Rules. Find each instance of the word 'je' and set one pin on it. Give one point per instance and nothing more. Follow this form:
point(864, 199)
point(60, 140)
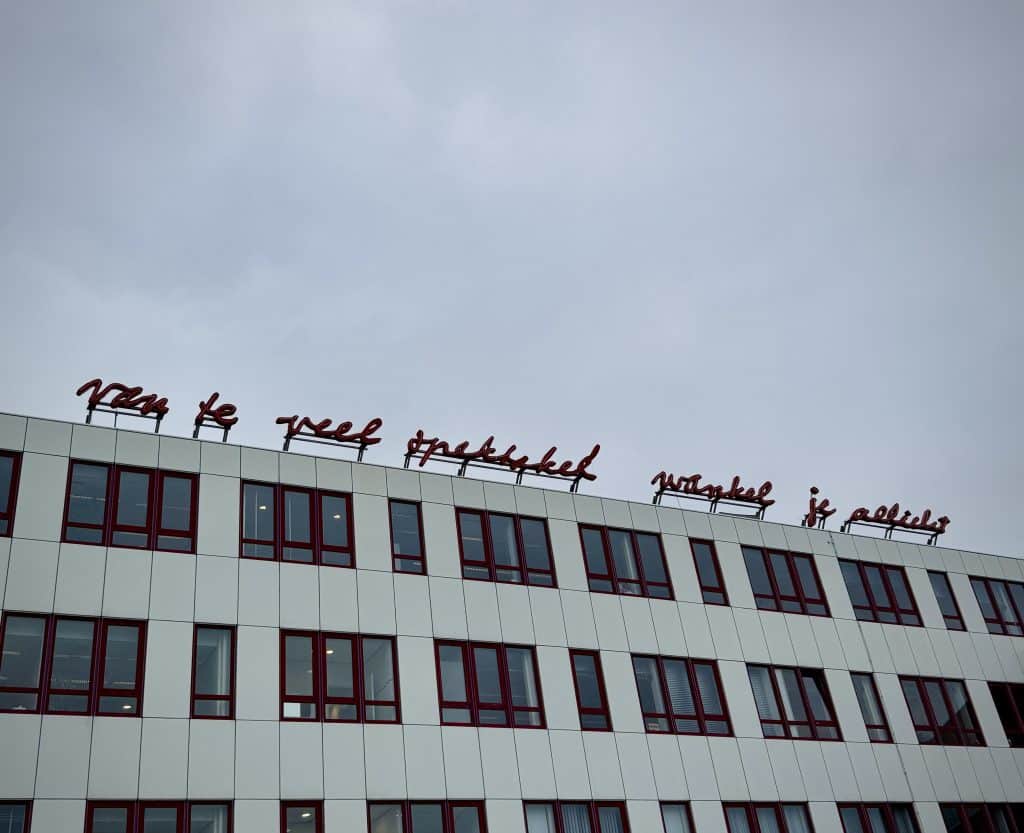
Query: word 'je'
point(428, 447)
point(123, 397)
point(817, 510)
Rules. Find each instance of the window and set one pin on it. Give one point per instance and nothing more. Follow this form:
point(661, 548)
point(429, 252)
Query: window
point(70, 665)
point(158, 817)
point(289, 523)
point(767, 818)
point(785, 581)
point(484, 684)
point(1009, 700)
point(709, 574)
point(498, 547)
point(213, 672)
point(15, 816)
point(793, 703)
point(588, 681)
point(339, 677)
point(1002, 604)
point(625, 562)
point(878, 818)
point(124, 506)
point(676, 818)
point(880, 593)
point(683, 696)
point(947, 601)
point(427, 817)
point(983, 818)
point(871, 708)
point(302, 817)
point(941, 712)
point(407, 537)
point(10, 467)
point(576, 817)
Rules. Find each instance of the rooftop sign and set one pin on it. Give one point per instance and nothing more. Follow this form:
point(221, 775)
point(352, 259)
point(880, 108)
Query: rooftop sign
point(891, 518)
point(305, 430)
point(118, 398)
point(689, 486)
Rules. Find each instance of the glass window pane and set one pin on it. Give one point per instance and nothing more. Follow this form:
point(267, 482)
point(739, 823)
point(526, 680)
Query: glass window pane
point(132, 498)
point(649, 685)
point(814, 689)
point(675, 818)
point(679, 692)
point(72, 663)
point(22, 652)
point(176, 503)
point(503, 540)
point(296, 517)
point(780, 569)
point(467, 820)
point(593, 547)
point(12, 816)
point(576, 818)
point(808, 579)
point(984, 602)
point(870, 708)
point(851, 820)
point(301, 819)
point(122, 655)
point(298, 669)
point(650, 557)
point(453, 674)
point(535, 544)
point(756, 570)
point(488, 680)
point(961, 705)
point(622, 555)
point(386, 818)
point(6, 474)
point(540, 818)
point(610, 819)
point(918, 713)
point(1002, 597)
point(764, 695)
point(943, 594)
point(796, 818)
point(585, 670)
point(427, 818)
point(405, 529)
point(110, 820)
point(767, 820)
point(472, 534)
point(258, 512)
point(521, 677)
point(88, 501)
point(737, 820)
point(789, 689)
point(900, 589)
point(705, 561)
point(334, 515)
point(378, 670)
point(340, 678)
point(904, 818)
point(159, 820)
point(213, 661)
point(209, 818)
point(707, 683)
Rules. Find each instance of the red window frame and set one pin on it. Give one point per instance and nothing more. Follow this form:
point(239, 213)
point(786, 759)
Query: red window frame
point(420, 561)
point(135, 812)
point(473, 703)
point(593, 808)
point(615, 582)
point(710, 591)
point(955, 620)
point(882, 732)
point(27, 805)
point(600, 711)
point(951, 733)
point(152, 530)
point(318, 549)
point(1009, 702)
point(669, 717)
point(7, 510)
point(448, 808)
point(318, 813)
point(229, 698)
point(993, 611)
point(798, 602)
point(750, 809)
point(887, 610)
point(980, 818)
point(818, 729)
point(490, 562)
point(95, 693)
point(886, 811)
point(682, 805)
point(319, 697)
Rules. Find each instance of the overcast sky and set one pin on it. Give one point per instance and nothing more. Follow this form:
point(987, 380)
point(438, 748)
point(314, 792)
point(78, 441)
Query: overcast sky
point(777, 239)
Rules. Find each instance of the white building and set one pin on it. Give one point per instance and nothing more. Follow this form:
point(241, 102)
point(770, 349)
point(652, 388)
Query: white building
point(202, 637)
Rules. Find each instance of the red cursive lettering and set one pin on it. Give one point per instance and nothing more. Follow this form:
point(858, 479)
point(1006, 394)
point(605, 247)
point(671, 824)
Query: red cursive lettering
point(224, 415)
point(890, 516)
point(127, 398)
point(690, 486)
point(817, 511)
point(428, 447)
point(322, 430)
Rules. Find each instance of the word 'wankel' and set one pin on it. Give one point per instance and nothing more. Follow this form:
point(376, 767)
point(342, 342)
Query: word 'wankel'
point(690, 486)
point(124, 397)
point(427, 447)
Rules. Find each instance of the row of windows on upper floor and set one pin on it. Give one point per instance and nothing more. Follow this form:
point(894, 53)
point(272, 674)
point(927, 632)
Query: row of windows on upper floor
point(72, 665)
point(453, 816)
point(151, 509)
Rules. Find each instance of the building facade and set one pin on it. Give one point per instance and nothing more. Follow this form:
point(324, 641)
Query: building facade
point(201, 638)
